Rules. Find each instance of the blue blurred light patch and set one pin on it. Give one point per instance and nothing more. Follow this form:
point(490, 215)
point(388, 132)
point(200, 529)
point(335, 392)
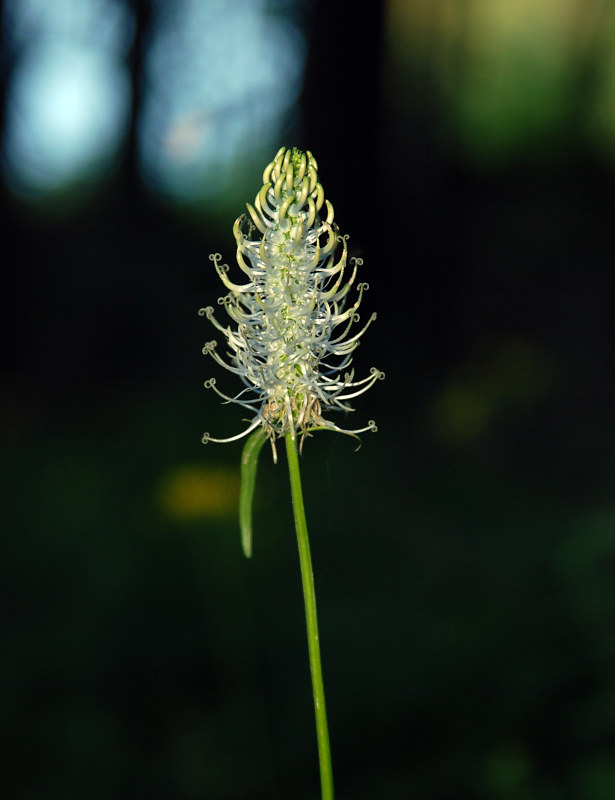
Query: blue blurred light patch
point(66, 118)
point(106, 24)
point(68, 98)
point(222, 77)
point(220, 82)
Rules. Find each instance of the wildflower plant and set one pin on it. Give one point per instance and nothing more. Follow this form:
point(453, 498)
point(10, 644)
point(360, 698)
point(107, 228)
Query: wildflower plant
point(291, 338)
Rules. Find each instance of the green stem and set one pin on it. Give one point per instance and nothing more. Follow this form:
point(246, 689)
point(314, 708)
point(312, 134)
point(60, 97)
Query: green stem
point(309, 595)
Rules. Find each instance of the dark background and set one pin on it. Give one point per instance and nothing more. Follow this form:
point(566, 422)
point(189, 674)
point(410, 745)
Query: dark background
point(464, 556)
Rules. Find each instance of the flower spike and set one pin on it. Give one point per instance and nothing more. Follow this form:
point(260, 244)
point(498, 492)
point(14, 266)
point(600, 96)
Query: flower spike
point(287, 347)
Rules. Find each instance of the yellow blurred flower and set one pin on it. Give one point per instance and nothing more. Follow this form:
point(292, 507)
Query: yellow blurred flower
point(189, 492)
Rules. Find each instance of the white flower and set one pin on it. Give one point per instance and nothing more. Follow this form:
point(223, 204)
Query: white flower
point(293, 341)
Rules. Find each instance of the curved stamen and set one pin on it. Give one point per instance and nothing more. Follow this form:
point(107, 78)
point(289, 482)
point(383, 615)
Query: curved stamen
point(255, 423)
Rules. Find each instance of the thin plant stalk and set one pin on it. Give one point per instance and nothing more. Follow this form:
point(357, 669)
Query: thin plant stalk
point(291, 339)
point(309, 595)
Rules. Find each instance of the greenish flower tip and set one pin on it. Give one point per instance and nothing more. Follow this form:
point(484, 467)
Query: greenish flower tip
point(293, 331)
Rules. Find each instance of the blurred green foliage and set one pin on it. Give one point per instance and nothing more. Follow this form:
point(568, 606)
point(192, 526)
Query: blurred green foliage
point(467, 616)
